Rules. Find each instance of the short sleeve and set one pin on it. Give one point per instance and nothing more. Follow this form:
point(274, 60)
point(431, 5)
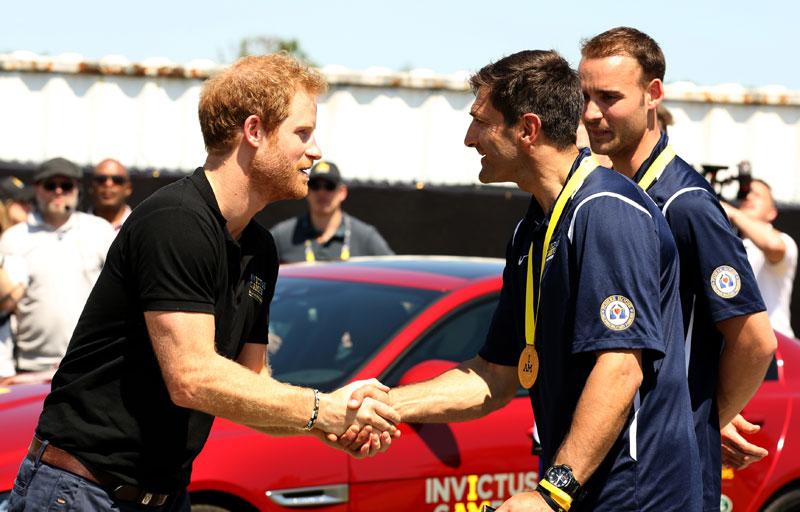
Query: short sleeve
point(713, 255)
point(175, 257)
point(377, 245)
point(617, 254)
point(500, 346)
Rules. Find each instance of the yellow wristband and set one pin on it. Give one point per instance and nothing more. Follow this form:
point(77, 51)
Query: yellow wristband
point(563, 499)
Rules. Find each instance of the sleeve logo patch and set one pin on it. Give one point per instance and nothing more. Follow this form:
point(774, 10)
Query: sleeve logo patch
point(256, 288)
point(725, 282)
point(617, 312)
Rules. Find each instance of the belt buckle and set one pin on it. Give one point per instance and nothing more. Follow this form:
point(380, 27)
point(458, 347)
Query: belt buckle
point(146, 498)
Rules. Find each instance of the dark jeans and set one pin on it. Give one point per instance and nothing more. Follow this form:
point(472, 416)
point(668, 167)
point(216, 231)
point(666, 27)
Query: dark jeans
point(39, 487)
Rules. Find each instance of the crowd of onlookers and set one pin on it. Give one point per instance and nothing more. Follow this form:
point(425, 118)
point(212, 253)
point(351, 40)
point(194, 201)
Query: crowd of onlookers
point(51, 253)
point(50, 256)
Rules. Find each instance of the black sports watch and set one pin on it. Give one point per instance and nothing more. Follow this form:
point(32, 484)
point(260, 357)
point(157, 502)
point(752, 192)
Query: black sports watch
point(561, 476)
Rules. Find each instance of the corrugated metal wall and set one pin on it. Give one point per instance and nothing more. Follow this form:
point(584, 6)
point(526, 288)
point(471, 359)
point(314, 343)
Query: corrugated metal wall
point(379, 126)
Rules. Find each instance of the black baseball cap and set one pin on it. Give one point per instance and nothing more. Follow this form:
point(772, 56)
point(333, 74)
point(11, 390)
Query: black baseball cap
point(327, 171)
point(57, 167)
point(14, 189)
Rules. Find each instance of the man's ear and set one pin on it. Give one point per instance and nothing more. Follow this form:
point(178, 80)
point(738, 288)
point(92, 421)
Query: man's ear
point(654, 93)
point(252, 131)
point(531, 127)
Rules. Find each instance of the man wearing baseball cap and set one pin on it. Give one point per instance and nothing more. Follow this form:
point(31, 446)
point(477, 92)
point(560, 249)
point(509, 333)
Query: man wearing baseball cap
point(325, 232)
point(52, 261)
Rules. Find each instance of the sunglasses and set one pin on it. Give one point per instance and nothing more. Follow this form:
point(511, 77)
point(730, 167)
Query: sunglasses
point(102, 179)
point(65, 186)
point(322, 184)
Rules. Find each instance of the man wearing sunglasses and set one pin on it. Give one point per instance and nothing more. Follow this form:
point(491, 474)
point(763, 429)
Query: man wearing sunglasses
point(52, 261)
point(111, 188)
point(325, 232)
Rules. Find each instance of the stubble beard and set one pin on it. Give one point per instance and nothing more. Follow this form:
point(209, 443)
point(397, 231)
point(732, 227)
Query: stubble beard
point(56, 213)
point(273, 177)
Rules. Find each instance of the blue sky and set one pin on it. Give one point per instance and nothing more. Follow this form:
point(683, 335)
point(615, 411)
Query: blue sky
point(706, 42)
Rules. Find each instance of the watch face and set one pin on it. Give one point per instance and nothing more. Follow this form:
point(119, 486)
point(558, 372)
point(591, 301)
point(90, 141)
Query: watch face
point(559, 476)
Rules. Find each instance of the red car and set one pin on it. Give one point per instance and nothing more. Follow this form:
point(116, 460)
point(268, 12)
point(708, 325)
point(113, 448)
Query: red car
point(402, 320)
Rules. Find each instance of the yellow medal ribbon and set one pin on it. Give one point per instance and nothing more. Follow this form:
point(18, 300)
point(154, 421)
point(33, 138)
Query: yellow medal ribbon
point(659, 164)
point(529, 359)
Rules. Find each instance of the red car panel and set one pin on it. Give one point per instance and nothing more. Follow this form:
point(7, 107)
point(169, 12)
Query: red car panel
point(435, 468)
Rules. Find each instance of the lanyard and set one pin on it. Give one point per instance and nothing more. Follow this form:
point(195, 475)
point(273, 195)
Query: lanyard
point(344, 255)
point(657, 168)
point(588, 165)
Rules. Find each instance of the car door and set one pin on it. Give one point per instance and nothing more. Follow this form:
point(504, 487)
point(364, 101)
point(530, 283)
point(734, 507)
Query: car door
point(449, 467)
point(768, 409)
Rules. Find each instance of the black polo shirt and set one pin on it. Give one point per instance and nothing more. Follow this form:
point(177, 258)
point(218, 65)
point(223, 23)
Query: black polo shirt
point(109, 405)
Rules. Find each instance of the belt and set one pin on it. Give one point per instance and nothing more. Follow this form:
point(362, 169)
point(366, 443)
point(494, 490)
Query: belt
point(58, 458)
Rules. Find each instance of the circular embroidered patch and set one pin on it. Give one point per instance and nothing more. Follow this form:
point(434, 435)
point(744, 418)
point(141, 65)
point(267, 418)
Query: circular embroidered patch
point(617, 312)
point(725, 282)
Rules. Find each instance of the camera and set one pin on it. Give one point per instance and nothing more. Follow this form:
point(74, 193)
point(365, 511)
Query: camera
point(729, 185)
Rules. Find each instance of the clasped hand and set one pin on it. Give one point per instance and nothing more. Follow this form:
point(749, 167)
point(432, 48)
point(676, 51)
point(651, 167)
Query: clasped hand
point(358, 419)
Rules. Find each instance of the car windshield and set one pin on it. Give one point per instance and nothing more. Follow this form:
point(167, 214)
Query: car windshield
point(322, 331)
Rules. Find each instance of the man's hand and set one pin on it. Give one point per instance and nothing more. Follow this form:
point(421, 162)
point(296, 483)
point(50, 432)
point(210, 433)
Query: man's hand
point(737, 451)
point(360, 443)
point(525, 502)
point(336, 414)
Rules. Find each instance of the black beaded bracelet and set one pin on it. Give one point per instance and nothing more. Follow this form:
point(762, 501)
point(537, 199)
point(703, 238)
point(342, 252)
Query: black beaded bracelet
point(315, 412)
point(549, 499)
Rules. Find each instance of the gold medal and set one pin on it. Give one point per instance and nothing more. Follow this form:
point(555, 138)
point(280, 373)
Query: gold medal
point(528, 367)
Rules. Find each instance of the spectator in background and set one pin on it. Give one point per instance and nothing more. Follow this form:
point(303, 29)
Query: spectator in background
point(59, 253)
point(326, 232)
point(772, 254)
point(111, 188)
point(14, 207)
point(15, 202)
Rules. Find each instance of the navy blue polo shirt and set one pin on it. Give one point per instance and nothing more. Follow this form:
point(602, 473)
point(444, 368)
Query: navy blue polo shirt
point(716, 283)
point(612, 283)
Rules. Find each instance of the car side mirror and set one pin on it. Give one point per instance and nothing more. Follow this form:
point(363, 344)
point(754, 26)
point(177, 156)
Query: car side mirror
point(426, 370)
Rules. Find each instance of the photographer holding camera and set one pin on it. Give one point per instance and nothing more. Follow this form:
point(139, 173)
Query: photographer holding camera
point(772, 253)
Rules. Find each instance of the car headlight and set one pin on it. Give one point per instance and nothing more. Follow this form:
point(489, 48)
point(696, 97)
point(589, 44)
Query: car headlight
point(4, 500)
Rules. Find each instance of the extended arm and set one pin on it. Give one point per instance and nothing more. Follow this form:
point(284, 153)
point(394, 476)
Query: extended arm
point(199, 378)
point(472, 390)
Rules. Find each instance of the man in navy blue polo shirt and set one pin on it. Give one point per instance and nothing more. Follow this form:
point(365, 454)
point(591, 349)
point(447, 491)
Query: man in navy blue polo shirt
point(611, 399)
point(729, 340)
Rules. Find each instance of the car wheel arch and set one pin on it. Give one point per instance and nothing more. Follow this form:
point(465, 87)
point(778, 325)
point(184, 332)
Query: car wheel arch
point(785, 499)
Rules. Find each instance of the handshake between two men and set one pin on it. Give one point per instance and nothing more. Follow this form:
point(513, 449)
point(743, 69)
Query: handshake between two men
point(356, 418)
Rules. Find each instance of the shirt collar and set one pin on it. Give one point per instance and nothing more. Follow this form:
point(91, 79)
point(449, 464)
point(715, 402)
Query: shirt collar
point(311, 232)
point(662, 143)
point(35, 219)
point(535, 212)
point(200, 181)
